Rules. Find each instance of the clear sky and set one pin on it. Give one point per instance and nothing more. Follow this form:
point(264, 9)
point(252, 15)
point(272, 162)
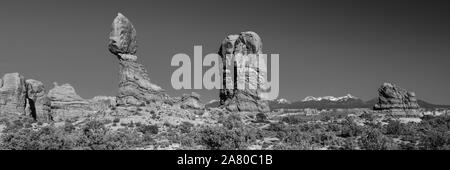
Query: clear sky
point(325, 47)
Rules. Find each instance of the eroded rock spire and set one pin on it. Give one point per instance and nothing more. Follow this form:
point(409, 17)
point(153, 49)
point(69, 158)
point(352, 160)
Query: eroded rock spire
point(135, 87)
point(240, 58)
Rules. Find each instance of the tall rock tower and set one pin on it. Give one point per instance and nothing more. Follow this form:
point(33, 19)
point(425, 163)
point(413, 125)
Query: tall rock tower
point(135, 87)
point(243, 76)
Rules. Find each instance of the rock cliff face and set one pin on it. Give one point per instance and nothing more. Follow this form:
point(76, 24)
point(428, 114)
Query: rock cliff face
point(64, 93)
point(20, 97)
point(135, 87)
point(37, 103)
point(13, 94)
point(394, 97)
point(66, 104)
point(243, 78)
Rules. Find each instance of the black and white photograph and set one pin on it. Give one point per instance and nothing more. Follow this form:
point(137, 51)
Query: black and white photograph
point(229, 75)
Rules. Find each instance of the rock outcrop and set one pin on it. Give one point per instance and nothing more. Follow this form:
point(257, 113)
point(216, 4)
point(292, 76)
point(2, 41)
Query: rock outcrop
point(64, 93)
point(243, 78)
point(37, 103)
point(13, 94)
point(20, 97)
point(191, 102)
point(66, 104)
point(393, 97)
point(135, 87)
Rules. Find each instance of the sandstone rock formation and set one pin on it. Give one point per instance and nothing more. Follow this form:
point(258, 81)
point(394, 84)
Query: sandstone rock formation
point(64, 93)
point(66, 104)
point(393, 97)
point(243, 79)
point(191, 102)
point(13, 94)
point(105, 100)
point(37, 103)
point(20, 97)
point(135, 87)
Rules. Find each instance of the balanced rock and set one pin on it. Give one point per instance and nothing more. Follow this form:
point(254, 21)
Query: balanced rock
point(122, 39)
point(243, 76)
point(393, 97)
point(135, 87)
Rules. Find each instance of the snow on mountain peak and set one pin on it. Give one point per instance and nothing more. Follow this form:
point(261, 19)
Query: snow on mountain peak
point(283, 101)
point(330, 98)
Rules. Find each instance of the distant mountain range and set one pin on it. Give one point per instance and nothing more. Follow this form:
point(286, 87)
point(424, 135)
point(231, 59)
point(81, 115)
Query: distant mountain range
point(330, 102)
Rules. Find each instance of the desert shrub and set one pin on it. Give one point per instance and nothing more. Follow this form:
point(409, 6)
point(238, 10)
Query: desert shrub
point(350, 129)
point(106, 121)
point(47, 138)
point(395, 128)
point(303, 145)
point(13, 126)
point(26, 121)
point(131, 124)
point(148, 129)
point(68, 127)
point(373, 139)
point(278, 129)
point(123, 139)
point(296, 136)
point(116, 120)
point(327, 139)
point(185, 127)
point(334, 127)
point(218, 138)
point(93, 135)
point(297, 119)
point(4, 121)
point(435, 140)
point(437, 123)
point(231, 121)
point(326, 118)
point(312, 127)
point(184, 139)
point(138, 124)
point(367, 116)
point(335, 114)
point(350, 144)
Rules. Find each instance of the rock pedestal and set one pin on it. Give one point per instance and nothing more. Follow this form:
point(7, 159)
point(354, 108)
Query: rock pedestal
point(243, 76)
point(393, 97)
point(135, 87)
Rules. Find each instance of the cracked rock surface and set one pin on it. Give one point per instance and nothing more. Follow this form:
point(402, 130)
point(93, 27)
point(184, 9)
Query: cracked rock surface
point(243, 77)
point(135, 87)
